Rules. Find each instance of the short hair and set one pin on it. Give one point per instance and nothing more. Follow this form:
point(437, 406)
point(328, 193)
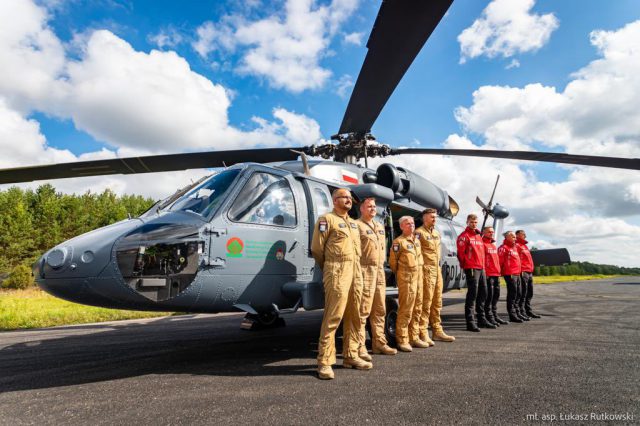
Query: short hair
point(487, 227)
point(403, 219)
point(334, 194)
point(368, 198)
point(519, 231)
point(504, 234)
point(472, 216)
point(428, 211)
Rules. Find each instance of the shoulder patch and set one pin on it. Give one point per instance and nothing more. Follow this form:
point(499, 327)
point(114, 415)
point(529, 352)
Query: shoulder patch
point(396, 247)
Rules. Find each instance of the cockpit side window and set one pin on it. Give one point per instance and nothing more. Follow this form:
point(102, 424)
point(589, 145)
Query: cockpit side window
point(321, 201)
point(266, 199)
point(204, 198)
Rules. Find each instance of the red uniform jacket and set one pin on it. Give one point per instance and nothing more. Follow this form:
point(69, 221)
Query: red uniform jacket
point(509, 259)
point(470, 249)
point(491, 260)
point(525, 255)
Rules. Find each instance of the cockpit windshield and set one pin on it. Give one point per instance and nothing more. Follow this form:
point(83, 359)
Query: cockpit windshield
point(204, 198)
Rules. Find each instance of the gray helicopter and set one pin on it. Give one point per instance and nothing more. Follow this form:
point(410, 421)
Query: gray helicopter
point(239, 240)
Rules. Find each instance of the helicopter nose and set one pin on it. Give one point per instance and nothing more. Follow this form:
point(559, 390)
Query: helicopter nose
point(69, 269)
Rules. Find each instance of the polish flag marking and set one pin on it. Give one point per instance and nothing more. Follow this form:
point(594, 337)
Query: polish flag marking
point(349, 177)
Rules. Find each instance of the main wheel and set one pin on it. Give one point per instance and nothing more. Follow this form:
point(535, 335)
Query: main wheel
point(262, 321)
point(390, 320)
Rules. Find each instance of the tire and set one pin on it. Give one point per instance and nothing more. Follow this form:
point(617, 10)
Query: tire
point(390, 320)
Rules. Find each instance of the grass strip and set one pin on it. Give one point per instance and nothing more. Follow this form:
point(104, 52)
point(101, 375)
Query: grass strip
point(33, 308)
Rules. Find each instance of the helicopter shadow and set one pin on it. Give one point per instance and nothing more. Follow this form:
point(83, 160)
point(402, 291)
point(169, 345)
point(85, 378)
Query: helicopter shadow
point(211, 346)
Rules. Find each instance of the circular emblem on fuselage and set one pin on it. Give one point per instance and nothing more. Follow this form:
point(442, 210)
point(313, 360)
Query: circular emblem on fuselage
point(234, 247)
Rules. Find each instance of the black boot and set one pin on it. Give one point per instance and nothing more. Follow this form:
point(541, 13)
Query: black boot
point(483, 323)
point(531, 314)
point(471, 326)
point(491, 319)
point(513, 317)
point(500, 320)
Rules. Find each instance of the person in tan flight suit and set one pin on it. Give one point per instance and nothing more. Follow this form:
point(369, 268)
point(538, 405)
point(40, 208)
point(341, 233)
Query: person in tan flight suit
point(405, 261)
point(373, 243)
point(336, 248)
point(431, 279)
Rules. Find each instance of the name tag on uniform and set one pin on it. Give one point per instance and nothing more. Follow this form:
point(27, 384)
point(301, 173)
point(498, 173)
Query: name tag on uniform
point(396, 247)
point(381, 232)
point(354, 226)
point(322, 226)
point(342, 225)
point(369, 231)
point(410, 246)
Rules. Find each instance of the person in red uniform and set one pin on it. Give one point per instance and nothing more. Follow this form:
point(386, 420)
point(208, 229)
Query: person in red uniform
point(510, 269)
point(492, 272)
point(526, 274)
point(471, 257)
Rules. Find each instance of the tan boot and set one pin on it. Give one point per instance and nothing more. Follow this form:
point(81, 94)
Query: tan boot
point(404, 347)
point(443, 337)
point(325, 372)
point(356, 363)
point(419, 344)
point(385, 350)
point(364, 355)
point(428, 341)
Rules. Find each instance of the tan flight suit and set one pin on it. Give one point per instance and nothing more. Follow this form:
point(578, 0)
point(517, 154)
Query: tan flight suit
point(405, 260)
point(336, 249)
point(373, 242)
point(431, 280)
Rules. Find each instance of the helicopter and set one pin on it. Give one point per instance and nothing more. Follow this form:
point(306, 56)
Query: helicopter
point(239, 240)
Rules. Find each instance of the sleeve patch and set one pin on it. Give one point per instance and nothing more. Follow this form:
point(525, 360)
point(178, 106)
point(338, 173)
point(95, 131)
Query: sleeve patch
point(396, 247)
point(322, 225)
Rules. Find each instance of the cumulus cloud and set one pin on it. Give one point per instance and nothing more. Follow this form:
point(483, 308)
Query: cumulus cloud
point(354, 38)
point(596, 113)
point(137, 102)
point(506, 27)
point(285, 50)
point(168, 38)
point(344, 85)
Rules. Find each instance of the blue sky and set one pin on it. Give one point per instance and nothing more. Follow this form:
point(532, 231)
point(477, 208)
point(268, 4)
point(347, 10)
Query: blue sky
point(106, 78)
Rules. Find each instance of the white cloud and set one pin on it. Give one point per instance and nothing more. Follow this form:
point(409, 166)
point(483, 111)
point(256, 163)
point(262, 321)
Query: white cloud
point(344, 85)
point(168, 38)
point(597, 112)
point(285, 50)
point(354, 38)
point(506, 27)
point(136, 102)
point(513, 64)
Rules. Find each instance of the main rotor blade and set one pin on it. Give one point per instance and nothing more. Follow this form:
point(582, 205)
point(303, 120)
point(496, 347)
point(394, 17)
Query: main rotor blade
point(494, 191)
point(551, 257)
point(147, 164)
point(399, 32)
point(549, 157)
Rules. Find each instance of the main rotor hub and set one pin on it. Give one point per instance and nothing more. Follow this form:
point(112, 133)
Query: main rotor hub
point(350, 148)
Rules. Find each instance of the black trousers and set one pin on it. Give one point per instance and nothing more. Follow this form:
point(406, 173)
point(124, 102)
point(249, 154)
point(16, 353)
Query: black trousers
point(513, 290)
point(493, 294)
point(527, 288)
point(476, 294)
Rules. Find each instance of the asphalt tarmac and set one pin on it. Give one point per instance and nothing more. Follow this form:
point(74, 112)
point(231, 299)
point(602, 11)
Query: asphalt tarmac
point(581, 359)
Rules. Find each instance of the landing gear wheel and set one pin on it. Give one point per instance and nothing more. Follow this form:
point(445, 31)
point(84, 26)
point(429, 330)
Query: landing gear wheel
point(390, 320)
point(261, 321)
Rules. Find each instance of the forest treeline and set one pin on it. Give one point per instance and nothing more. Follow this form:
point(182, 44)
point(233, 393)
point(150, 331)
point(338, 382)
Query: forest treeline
point(32, 222)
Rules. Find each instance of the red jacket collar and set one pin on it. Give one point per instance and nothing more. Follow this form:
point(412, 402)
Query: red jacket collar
point(508, 244)
point(472, 231)
point(488, 240)
point(522, 241)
